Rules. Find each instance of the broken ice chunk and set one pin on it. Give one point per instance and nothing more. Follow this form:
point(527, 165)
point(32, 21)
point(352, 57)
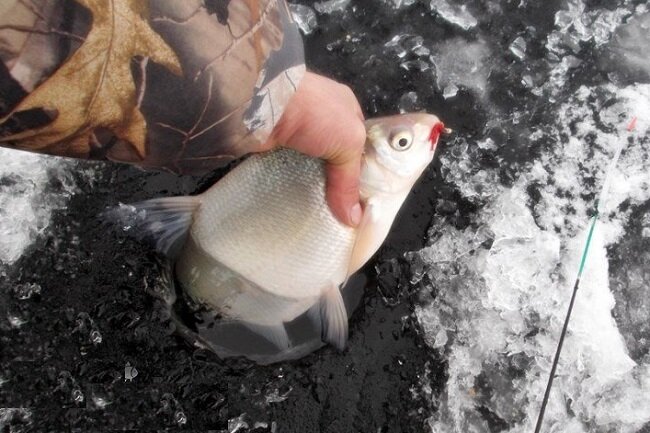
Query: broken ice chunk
point(415, 65)
point(395, 44)
point(26, 291)
point(408, 102)
point(15, 321)
point(450, 91)
point(421, 51)
point(329, 6)
point(305, 17)
point(402, 45)
point(399, 4)
point(413, 43)
point(518, 48)
point(571, 62)
point(440, 339)
point(487, 144)
point(453, 14)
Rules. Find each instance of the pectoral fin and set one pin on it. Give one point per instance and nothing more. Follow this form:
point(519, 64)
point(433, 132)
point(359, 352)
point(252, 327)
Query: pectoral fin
point(367, 240)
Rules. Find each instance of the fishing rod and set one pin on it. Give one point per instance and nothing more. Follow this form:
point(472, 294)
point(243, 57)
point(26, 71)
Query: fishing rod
point(598, 210)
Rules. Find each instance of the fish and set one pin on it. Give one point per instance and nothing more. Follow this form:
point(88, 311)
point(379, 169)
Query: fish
point(262, 247)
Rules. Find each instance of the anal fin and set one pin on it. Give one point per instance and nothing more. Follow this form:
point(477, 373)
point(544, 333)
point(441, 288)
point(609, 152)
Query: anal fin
point(334, 318)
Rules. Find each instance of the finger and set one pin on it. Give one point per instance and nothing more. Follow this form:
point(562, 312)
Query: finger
point(343, 191)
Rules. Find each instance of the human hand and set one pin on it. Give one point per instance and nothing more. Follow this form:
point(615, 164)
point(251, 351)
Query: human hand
point(323, 119)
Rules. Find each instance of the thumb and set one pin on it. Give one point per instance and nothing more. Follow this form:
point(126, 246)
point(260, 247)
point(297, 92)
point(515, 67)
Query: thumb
point(343, 190)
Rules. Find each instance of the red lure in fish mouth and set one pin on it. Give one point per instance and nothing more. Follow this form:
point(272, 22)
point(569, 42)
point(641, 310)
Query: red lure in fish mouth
point(437, 129)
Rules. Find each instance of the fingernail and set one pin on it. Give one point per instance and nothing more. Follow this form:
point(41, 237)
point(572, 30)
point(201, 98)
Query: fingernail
point(355, 214)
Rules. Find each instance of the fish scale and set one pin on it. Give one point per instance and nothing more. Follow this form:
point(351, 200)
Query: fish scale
point(291, 244)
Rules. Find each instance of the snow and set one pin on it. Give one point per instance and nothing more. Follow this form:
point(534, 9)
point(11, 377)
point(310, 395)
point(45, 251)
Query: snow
point(27, 198)
point(505, 281)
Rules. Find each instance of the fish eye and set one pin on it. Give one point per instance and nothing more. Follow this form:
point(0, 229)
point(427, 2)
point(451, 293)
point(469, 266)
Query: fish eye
point(401, 140)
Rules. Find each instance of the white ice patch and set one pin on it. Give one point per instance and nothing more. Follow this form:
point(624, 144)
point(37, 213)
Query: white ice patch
point(27, 198)
point(462, 63)
point(505, 281)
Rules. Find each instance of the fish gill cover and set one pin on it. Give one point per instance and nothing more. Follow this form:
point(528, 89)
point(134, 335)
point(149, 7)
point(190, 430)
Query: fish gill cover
point(457, 334)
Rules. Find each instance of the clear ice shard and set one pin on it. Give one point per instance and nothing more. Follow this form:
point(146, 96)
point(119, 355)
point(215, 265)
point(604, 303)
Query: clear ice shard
point(399, 4)
point(518, 48)
point(450, 91)
point(408, 102)
point(329, 6)
point(305, 17)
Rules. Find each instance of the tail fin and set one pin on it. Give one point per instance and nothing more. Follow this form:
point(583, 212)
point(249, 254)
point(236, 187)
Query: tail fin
point(163, 221)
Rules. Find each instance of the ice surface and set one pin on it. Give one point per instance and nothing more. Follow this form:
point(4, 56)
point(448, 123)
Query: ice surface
point(453, 13)
point(305, 17)
point(504, 281)
point(27, 198)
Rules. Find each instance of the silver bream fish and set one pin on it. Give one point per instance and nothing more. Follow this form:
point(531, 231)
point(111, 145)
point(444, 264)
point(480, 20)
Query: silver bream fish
point(262, 247)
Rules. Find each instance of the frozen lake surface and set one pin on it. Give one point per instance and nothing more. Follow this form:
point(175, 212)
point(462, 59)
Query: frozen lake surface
point(464, 304)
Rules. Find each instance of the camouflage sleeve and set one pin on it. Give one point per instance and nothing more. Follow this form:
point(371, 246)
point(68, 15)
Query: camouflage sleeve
point(182, 85)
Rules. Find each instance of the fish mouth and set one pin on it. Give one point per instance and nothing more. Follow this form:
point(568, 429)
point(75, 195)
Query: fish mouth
point(438, 128)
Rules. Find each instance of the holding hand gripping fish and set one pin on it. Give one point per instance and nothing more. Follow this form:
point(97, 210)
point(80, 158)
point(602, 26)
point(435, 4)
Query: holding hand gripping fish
point(262, 246)
point(280, 234)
